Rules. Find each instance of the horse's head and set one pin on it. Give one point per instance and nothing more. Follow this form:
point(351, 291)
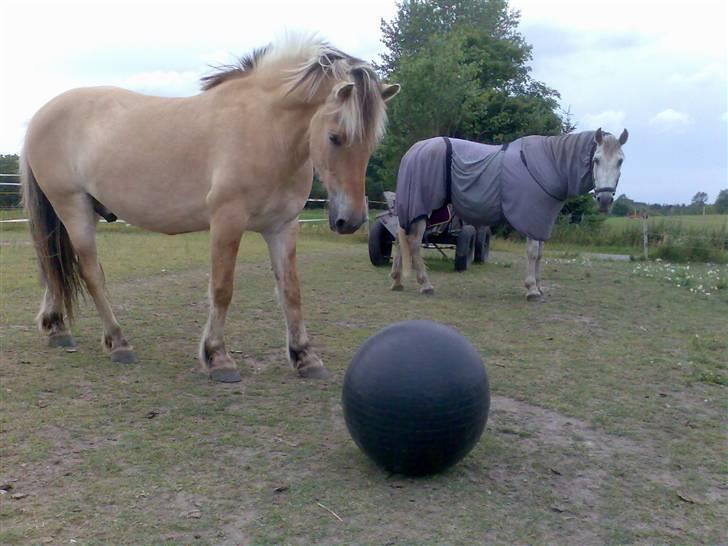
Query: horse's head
point(343, 134)
point(606, 166)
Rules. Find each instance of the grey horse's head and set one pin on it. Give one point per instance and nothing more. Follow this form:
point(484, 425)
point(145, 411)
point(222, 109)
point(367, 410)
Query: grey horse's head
point(606, 166)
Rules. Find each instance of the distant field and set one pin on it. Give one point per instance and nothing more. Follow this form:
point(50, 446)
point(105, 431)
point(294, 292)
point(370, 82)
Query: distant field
point(709, 221)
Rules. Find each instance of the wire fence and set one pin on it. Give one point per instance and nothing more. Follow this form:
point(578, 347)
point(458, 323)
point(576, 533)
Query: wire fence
point(704, 242)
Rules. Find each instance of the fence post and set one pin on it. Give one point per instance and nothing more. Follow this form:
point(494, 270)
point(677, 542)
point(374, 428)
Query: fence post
point(645, 238)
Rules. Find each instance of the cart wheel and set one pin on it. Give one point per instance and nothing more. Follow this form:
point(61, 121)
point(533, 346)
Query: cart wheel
point(380, 244)
point(465, 248)
point(482, 245)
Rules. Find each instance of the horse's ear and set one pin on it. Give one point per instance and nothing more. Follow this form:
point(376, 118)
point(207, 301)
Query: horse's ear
point(389, 91)
point(623, 137)
point(598, 135)
point(344, 90)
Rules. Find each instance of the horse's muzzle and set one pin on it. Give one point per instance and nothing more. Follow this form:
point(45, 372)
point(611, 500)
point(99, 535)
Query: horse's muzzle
point(344, 225)
point(604, 199)
point(342, 220)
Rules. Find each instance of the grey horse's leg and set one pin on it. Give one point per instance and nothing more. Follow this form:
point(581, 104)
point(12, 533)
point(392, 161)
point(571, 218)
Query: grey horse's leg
point(396, 273)
point(414, 242)
point(532, 255)
point(538, 267)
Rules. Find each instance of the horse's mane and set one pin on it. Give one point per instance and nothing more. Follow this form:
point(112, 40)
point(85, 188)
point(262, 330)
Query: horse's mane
point(306, 62)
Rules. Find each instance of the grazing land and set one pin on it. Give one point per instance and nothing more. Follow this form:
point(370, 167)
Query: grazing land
point(607, 421)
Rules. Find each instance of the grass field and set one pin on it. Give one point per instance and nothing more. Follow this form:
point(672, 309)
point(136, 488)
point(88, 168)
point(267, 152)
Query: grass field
point(607, 423)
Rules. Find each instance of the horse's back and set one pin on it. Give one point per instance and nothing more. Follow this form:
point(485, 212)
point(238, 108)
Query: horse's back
point(142, 157)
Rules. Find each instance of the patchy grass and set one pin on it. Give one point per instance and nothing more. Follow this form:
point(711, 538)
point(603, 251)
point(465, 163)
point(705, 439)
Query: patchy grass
point(604, 399)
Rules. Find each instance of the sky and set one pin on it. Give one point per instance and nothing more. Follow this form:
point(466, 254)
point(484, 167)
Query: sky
point(657, 67)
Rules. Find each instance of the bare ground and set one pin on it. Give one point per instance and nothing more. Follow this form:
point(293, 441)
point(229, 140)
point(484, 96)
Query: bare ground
point(586, 443)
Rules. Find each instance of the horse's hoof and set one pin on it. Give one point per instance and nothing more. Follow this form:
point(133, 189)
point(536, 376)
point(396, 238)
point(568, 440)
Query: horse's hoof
point(534, 297)
point(397, 288)
point(61, 340)
point(123, 356)
point(225, 375)
point(314, 372)
point(427, 291)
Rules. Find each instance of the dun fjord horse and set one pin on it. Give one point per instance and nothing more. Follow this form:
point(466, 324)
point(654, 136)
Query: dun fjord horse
point(524, 183)
point(239, 156)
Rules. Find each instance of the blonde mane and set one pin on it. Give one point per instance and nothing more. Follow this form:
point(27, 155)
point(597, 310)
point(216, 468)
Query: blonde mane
point(306, 63)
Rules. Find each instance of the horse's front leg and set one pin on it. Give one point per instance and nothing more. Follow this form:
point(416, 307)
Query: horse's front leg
point(226, 229)
point(532, 255)
point(282, 249)
point(538, 267)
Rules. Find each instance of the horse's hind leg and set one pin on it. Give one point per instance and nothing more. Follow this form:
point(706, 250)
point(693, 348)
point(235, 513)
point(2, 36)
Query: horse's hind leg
point(533, 251)
point(282, 249)
point(396, 273)
point(414, 241)
point(50, 320)
point(80, 221)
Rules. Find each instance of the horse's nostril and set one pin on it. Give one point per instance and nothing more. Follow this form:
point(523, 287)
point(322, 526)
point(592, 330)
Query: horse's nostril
point(340, 223)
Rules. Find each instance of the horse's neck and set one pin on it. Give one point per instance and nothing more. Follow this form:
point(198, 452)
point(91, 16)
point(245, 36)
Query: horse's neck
point(288, 114)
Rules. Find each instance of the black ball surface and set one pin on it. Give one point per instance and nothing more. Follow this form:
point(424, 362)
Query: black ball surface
point(416, 397)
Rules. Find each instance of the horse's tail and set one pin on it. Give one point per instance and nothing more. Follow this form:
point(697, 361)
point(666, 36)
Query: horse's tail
point(59, 267)
point(404, 252)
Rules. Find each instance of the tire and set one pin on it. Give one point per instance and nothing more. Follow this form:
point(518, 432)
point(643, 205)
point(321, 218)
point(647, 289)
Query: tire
point(380, 244)
point(465, 248)
point(482, 245)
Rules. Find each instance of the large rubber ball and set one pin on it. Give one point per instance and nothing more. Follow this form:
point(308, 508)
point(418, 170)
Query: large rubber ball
point(416, 397)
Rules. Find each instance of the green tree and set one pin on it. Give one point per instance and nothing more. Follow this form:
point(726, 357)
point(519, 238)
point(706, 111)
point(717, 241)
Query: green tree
point(8, 164)
point(699, 201)
point(721, 202)
point(622, 206)
point(9, 195)
point(463, 69)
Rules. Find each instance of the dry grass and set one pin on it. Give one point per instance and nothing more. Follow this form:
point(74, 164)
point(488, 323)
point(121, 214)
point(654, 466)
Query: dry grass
point(602, 428)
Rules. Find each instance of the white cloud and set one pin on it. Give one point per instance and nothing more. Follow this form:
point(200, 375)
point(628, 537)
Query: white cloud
point(714, 72)
point(609, 120)
point(724, 117)
point(671, 121)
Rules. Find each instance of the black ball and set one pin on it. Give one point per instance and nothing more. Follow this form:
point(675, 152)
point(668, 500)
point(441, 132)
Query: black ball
point(416, 397)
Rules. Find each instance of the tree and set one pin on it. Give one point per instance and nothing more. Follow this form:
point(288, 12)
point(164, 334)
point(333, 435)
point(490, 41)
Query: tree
point(622, 206)
point(463, 69)
point(699, 201)
point(721, 202)
point(9, 195)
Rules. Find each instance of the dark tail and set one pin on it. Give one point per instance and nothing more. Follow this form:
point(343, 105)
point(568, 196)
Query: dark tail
point(56, 256)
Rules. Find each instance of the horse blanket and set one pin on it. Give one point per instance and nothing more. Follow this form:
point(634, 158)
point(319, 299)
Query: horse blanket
point(524, 182)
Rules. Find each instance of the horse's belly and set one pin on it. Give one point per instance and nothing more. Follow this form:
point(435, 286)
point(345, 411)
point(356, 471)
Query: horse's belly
point(165, 212)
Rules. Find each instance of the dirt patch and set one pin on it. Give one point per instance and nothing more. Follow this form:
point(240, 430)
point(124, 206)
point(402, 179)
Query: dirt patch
point(580, 466)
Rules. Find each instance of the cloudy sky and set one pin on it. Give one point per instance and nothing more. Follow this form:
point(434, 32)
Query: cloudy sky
point(657, 67)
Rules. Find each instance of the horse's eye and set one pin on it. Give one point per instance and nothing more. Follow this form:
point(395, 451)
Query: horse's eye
point(596, 161)
point(334, 139)
point(619, 163)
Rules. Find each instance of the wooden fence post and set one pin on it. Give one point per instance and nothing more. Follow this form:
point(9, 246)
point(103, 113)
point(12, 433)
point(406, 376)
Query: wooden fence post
point(645, 238)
